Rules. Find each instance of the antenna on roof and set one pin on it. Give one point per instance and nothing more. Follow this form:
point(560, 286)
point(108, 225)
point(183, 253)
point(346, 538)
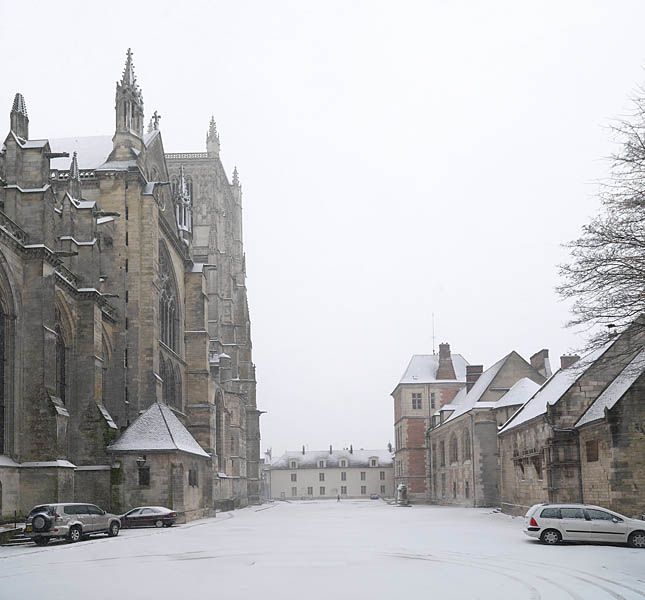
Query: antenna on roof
point(433, 337)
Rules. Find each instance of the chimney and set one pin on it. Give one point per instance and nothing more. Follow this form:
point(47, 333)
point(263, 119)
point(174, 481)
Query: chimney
point(330, 449)
point(473, 372)
point(566, 360)
point(303, 449)
point(351, 449)
point(540, 362)
point(445, 370)
point(389, 447)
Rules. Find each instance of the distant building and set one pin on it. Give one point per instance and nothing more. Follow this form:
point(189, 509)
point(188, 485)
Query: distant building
point(463, 435)
point(429, 382)
point(310, 474)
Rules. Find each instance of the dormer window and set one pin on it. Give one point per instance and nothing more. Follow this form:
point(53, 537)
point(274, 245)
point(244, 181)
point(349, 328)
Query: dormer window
point(293, 464)
point(373, 462)
point(322, 464)
point(343, 463)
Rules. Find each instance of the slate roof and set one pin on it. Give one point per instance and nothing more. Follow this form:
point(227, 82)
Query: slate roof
point(359, 458)
point(92, 151)
point(555, 387)
point(157, 429)
point(615, 390)
point(423, 369)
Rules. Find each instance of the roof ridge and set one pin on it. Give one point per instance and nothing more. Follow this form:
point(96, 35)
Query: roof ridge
point(163, 416)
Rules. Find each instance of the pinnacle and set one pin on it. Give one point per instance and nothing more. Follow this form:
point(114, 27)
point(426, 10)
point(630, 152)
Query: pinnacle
point(128, 78)
point(212, 130)
point(236, 177)
point(74, 172)
point(19, 105)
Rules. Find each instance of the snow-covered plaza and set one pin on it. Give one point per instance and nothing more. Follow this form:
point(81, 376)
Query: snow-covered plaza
point(325, 550)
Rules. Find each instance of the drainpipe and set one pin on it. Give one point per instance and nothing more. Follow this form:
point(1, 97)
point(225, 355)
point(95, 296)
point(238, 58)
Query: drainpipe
point(472, 455)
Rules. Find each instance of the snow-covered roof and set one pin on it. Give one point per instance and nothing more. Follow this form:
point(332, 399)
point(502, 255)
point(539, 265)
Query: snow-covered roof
point(519, 393)
point(157, 429)
point(423, 369)
point(615, 390)
point(92, 151)
point(555, 387)
point(357, 458)
point(466, 402)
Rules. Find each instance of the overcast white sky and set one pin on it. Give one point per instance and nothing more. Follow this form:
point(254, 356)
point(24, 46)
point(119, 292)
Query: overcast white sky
point(397, 159)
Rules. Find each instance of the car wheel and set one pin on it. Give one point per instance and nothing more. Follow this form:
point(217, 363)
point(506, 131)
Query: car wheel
point(550, 537)
point(75, 534)
point(158, 523)
point(636, 539)
point(113, 530)
point(41, 541)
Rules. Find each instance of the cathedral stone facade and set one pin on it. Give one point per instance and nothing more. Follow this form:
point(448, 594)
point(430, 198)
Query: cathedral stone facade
point(126, 374)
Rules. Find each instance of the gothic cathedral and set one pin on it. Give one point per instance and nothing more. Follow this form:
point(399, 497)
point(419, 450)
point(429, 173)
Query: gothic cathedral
point(126, 375)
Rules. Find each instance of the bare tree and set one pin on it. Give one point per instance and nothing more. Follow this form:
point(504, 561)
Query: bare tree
point(606, 274)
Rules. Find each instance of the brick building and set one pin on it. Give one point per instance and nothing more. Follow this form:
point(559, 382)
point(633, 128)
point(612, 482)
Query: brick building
point(429, 382)
point(122, 290)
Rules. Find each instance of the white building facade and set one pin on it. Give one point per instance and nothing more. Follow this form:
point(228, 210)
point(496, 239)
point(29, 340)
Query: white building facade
point(316, 474)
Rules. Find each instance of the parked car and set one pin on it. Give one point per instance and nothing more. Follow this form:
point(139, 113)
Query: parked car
point(147, 516)
point(69, 520)
point(553, 523)
point(375, 497)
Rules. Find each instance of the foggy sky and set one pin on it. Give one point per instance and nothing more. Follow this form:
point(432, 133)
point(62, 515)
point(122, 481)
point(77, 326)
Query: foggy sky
point(397, 160)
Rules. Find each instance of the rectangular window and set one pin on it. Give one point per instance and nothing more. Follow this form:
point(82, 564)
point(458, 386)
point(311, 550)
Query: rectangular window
point(322, 490)
point(382, 475)
point(192, 478)
point(416, 401)
point(343, 490)
point(592, 450)
point(363, 490)
point(343, 476)
point(294, 491)
point(293, 477)
point(310, 491)
point(144, 476)
point(321, 477)
point(362, 475)
point(382, 489)
point(433, 397)
point(467, 489)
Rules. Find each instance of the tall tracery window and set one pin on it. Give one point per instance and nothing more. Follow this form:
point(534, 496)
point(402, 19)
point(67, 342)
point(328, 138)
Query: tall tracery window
point(168, 302)
point(61, 362)
point(454, 449)
point(2, 380)
point(465, 443)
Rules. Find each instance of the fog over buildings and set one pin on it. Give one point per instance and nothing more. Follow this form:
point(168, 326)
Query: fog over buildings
point(397, 161)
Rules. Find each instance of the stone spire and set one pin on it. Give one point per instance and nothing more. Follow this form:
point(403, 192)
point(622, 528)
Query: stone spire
point(212, 139)
point(236, 178)
point(129, 101)
point(74, 181)
point(19, 118)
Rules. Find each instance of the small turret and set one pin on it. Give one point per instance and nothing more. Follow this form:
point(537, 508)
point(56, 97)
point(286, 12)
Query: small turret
point(19, 118)
point(129, 113)
point(212, 140)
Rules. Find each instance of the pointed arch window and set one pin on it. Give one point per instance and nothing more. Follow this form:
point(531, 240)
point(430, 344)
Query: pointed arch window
point(61, 362)
point(454, 449)
point(168, 302)
point(2, 380)
point(465, 443)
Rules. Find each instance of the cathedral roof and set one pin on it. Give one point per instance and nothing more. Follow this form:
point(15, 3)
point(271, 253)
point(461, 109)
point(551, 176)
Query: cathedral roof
point(157, 429)
point(92, 151)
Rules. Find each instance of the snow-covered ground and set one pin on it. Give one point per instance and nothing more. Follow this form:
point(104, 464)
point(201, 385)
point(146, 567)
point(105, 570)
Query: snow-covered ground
point(326, 550)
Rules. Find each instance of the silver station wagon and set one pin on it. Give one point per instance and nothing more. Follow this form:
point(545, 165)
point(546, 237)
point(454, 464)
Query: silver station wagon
point(69, 520)
point(553, 523)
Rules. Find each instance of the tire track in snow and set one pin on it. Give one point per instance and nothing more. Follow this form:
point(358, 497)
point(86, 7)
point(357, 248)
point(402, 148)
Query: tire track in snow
point(568, 571)
point(534, 593)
